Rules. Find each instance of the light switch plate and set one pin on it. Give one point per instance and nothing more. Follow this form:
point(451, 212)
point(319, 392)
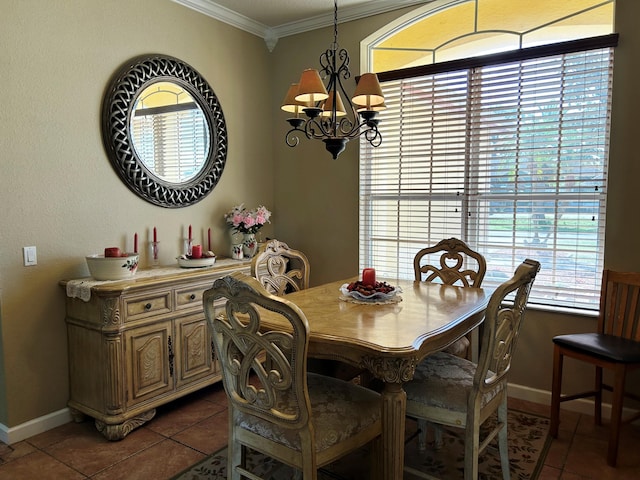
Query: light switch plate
point(30, 256)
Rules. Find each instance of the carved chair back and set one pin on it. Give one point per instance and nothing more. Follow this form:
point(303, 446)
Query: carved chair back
point(278, 395)
point(451, 262)
point(280, 269)
point(501, 327)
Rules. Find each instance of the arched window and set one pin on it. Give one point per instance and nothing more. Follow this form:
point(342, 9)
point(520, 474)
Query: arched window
point(496, 132)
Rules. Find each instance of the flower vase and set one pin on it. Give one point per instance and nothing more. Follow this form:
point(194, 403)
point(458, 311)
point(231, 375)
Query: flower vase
point(249, 245)
point(236, 245)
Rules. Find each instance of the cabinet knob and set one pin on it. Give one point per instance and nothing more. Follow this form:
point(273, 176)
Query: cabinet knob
point(192, 296)
point(147, 306)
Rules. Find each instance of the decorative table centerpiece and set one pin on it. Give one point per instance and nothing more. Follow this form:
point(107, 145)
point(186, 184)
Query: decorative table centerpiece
point(244, 224)
point(370, 290)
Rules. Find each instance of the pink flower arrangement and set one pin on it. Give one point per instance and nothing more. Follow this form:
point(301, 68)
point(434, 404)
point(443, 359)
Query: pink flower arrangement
point(244, 221)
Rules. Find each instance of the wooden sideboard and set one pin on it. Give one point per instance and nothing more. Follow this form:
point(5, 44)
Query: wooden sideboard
point(140, 343)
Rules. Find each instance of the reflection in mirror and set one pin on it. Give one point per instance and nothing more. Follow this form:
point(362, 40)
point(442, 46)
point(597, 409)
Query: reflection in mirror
point(169, 132)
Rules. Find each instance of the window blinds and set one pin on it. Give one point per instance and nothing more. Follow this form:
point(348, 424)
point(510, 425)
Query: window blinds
point(510, 157)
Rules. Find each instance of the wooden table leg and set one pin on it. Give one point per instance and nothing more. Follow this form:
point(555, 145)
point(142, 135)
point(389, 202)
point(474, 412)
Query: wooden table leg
point(394, 407)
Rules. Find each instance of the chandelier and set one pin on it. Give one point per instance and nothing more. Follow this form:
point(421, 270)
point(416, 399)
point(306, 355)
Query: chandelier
point(327, 117)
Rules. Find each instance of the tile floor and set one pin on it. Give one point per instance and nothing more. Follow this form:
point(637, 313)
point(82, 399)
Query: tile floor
point(191, 428)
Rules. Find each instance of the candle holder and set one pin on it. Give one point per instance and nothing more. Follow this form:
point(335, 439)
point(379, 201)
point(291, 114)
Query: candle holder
point(188, 243)
point(154, 254)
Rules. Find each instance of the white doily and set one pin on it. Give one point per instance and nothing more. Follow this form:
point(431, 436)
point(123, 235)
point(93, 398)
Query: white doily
point(81, 287)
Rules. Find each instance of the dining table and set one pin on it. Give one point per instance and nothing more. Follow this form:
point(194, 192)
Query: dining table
point(387, 338)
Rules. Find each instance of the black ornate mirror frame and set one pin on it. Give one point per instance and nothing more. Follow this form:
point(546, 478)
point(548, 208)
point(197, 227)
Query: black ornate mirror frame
point(132, 78)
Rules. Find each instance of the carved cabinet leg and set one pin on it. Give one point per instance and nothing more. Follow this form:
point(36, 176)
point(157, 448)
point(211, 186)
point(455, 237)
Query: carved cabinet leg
point(121, 430)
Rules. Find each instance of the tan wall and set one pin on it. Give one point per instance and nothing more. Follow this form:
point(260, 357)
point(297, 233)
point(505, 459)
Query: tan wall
point(58, 191)
point(57, 188)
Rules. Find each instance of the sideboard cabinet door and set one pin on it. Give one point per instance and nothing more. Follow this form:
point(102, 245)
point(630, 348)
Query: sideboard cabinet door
point(194, 350)
point(150, 361)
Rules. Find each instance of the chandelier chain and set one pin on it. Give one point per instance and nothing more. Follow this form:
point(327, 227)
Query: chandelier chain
point(335, 23)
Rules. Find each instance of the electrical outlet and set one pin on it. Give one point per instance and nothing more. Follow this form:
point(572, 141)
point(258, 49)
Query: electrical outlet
point(30, 256)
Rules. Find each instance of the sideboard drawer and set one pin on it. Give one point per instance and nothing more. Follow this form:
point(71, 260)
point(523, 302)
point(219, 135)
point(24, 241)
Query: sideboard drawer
point(190, 296)
point(148, 305)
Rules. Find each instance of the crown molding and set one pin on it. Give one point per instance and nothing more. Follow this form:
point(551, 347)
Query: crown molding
point(272, 34)
point(212, 9)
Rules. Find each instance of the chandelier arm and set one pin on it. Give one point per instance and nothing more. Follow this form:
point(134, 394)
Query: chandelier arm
point(316, 129)
point(347, 127)
point(373, 136)
point(291, 138)
point(363, 128)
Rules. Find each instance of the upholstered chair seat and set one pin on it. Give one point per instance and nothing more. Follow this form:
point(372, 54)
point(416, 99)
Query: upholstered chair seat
point(339, 411)
point(611, 347)
point(444, 382)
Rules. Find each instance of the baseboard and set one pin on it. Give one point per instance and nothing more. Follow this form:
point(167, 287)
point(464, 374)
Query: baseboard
point(33, 427)
point(581, 405)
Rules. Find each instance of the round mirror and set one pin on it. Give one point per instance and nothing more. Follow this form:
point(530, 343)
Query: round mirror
point(164, 131)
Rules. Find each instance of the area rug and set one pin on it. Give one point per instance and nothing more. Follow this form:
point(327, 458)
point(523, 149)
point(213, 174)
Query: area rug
point(528, 445)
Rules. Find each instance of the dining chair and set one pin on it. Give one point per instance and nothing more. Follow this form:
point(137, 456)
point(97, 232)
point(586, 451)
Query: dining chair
point(451, 262)
point(300, 419)
point(453, 391)
point(614, 346)
point(280, 269)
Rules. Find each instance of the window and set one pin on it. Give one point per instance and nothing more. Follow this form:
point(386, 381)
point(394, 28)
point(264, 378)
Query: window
point(507, 152)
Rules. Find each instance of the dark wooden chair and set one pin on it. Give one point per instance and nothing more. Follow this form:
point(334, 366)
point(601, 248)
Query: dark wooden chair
point(615, 346)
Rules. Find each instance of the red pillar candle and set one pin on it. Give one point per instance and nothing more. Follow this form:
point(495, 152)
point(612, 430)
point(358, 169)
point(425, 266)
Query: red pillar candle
point(196, 251)
point(369, 276)
point(112, 252)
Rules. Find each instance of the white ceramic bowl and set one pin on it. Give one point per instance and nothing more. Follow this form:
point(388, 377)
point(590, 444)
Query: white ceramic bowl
point(112, 268)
